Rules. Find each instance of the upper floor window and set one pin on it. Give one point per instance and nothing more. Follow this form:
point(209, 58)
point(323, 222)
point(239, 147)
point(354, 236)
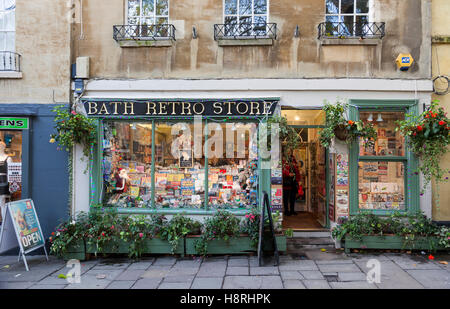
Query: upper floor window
point(148, 12)
point(7, 25)
point(347, 11)
point(246, 18)
point(245, 12)
point(350, 18)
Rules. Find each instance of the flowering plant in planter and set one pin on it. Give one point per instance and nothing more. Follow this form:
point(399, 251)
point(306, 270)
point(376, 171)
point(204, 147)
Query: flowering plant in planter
point(73, 128)
point(336, 125)
point(67, 234)
point(222, 225)
point(250, 226)
point(428, 137)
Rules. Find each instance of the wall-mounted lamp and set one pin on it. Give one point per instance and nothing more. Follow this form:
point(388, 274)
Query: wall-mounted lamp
point(297, 32)
point(194, 32)
point(370, 117)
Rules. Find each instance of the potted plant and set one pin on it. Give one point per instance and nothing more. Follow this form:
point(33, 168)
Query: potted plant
point(397, 231)
point(337, 126)
point(428, 136)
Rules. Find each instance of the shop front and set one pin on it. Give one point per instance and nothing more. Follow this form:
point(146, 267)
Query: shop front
point(179, 156)
point(160, 153)
point(29, 167)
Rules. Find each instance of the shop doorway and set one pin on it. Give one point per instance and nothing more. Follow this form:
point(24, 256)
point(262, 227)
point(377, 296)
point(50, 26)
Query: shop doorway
point(310, 156)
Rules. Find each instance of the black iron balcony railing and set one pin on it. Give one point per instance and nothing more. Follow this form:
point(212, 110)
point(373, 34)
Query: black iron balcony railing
point(143, 32)
point(9, 61)
point(245, 31)
point(344, 30)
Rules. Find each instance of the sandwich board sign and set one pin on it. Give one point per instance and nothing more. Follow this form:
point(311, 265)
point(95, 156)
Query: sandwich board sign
point(26, 225)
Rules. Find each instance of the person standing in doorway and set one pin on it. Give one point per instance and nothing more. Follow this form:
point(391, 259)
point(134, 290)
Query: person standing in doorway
point(291, 179)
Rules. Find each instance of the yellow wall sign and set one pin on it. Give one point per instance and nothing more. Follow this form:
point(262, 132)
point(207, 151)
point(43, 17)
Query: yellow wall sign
point(404, 61)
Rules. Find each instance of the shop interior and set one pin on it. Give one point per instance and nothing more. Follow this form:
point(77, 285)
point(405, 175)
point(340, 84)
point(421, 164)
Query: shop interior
point(310, 207)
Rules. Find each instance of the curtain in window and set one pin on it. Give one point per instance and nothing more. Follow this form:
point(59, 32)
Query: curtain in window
point(7, 25)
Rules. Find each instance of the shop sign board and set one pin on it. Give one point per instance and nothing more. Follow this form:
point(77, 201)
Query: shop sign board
point(185, 108)
point(26, 225)
point(9, 123)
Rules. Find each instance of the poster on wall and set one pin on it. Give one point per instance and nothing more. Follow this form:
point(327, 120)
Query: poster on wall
point(277, 197)
point(342, 200)
point(331, 189)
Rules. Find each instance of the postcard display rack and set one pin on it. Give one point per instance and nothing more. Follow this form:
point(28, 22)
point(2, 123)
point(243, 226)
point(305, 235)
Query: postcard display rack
point(382, 183)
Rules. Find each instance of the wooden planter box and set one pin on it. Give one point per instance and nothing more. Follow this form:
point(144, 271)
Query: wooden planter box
point(238, 245)
point(76, 250)
point(151, 246)
point(392, 242)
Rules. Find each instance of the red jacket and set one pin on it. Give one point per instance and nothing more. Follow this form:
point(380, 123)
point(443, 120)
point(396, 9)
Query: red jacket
point(292, 167)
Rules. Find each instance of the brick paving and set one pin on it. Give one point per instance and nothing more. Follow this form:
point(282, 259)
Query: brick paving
point(230, 272)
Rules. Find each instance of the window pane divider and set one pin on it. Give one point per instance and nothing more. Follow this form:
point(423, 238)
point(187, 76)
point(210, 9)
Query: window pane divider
point(384, 158)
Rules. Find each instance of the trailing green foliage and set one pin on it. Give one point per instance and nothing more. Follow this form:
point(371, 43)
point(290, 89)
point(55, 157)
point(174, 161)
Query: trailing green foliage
point(222, 225)
point(410, 227)
point(73, 128)
point(428, 137)
point(177, 228)
point(250, 226)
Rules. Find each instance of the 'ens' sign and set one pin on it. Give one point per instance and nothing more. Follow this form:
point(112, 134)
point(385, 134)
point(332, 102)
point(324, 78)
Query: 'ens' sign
point(14, 123)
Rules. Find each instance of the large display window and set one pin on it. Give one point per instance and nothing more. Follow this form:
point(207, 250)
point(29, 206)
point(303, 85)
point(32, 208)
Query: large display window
point(156, 164)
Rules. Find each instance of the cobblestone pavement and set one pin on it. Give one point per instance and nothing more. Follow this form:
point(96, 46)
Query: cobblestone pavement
point(226, 272)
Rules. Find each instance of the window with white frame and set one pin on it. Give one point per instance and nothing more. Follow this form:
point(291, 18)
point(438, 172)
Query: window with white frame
point(7, 25)
point(246, 17)
point(148, 12)
point(346, 17)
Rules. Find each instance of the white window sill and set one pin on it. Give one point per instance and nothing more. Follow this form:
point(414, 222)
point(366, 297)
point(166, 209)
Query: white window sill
point(10, 74)
point(349, 41)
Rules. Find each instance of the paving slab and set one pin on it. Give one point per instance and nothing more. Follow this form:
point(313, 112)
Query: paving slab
point(178, 270)
point(120, 285)
point(165, 261)
point(316, 284)
point(311, 274)
point(211, 270)
point(271, 282)
point(242, 282)
point(291, 274)
point(237, 271)
point(147, 283)
point(328, 268)
point(96, 279)
point(432, 279)
point(352, 285)
point(293, 284)
point(15, 285)
point(393, 277)
point(334, 262)
point(130, 275)
point(156, 272)
point(106, 265)
point(238, 262)
point(264, 271)
point(298, 265)
point(357, 276)
point(406, 262)
point(178, 279)
point(140, 265)
point(47, 286)
point(207, 283)
point(194, 263)
point(174, 285)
